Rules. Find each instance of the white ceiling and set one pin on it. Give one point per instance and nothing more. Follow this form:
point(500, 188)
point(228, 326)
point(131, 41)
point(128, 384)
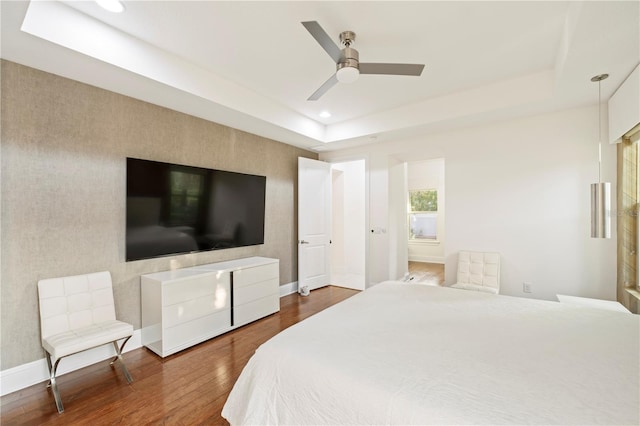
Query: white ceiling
point(252, 65)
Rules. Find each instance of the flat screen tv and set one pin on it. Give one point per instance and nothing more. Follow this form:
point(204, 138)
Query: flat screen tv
point(173, 209)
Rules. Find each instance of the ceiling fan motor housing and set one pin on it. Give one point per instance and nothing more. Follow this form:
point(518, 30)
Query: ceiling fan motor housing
point(347, 37)
point(348, 58)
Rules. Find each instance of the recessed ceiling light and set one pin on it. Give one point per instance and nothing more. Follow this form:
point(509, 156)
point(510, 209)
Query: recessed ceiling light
point(115, 6)
point(325, 114)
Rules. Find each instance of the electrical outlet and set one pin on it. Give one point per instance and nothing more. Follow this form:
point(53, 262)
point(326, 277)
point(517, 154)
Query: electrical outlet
point(526, 287)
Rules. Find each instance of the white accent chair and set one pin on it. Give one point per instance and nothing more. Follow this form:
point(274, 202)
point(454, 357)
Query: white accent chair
point(478, 271)
point(77, 313)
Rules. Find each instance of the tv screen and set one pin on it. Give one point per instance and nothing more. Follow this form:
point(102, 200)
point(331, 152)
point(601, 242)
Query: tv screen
point(174, 209)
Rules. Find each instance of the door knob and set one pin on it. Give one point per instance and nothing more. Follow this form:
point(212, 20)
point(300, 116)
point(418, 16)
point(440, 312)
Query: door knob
point(304, 242)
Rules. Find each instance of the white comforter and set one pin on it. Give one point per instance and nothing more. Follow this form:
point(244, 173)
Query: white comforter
point(412, 354)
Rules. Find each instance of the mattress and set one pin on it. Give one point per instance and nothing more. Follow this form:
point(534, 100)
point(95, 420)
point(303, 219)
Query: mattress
point(402, 353)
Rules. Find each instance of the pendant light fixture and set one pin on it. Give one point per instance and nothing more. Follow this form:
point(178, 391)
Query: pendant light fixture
point(601, 191)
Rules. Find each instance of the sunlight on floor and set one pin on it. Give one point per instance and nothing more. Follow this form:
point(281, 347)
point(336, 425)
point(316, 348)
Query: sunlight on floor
point(426, 273)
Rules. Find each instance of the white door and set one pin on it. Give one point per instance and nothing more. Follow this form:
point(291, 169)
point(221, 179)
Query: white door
point(314, 224)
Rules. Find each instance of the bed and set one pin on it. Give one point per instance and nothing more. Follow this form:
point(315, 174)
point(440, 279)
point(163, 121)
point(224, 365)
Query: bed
point(402, 353)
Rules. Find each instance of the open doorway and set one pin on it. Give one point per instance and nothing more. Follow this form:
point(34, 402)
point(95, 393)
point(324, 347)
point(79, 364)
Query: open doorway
point(426, 221)
point(348, 225)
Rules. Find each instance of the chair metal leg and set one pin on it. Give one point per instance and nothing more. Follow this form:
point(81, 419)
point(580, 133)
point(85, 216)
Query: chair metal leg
point(52, 382)
point(119, 357)
point(54, 366)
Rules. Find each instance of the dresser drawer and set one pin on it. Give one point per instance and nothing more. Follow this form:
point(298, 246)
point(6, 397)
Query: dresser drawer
point(189, 310)
point(249, 293)
point(254, 310)
point(195, 287)
point(256, 274)
point(196, 331)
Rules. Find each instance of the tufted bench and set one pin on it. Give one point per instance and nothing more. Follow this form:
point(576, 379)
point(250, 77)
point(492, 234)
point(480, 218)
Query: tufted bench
point(78, 313)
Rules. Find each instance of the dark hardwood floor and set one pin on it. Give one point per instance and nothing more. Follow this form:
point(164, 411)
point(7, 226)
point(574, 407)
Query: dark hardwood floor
point(187, 388)
point(427, 273)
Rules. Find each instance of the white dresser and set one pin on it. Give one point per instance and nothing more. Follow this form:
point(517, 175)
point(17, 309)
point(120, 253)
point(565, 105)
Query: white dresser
point(184, 307)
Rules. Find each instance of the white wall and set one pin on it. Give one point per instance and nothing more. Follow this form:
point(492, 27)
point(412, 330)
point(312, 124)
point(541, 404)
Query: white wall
point(337, 224)
point(378, 261)
point(519, 187)
point(429, 174)
point(398, 250)
point(624, 107)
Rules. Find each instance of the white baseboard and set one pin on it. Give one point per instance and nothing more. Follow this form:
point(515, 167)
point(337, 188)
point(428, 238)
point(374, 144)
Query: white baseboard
point(288, 289)
point(427, 259)
point(25, 375)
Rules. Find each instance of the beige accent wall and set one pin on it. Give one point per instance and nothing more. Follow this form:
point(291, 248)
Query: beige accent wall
point(63, 152)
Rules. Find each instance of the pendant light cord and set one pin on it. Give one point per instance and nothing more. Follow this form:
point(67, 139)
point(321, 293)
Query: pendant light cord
point(599, 135)
point(599, 79)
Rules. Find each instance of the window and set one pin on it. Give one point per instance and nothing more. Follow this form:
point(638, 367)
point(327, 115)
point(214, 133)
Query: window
point(636, 213)
point(423, 214)
point(628, 206)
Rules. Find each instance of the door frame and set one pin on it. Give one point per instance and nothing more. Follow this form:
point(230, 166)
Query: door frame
point(367, 236)
point(354, 236)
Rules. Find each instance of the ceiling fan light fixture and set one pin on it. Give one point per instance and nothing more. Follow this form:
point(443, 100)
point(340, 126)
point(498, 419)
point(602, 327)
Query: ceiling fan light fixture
point(347, 74)
point(347, 60)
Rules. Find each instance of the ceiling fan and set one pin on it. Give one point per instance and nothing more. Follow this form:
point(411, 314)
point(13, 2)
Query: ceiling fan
point(348, 66)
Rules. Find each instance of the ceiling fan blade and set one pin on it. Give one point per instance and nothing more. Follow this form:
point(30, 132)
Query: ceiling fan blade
point(392, 69)
point(323, 39)
point(324, 88)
